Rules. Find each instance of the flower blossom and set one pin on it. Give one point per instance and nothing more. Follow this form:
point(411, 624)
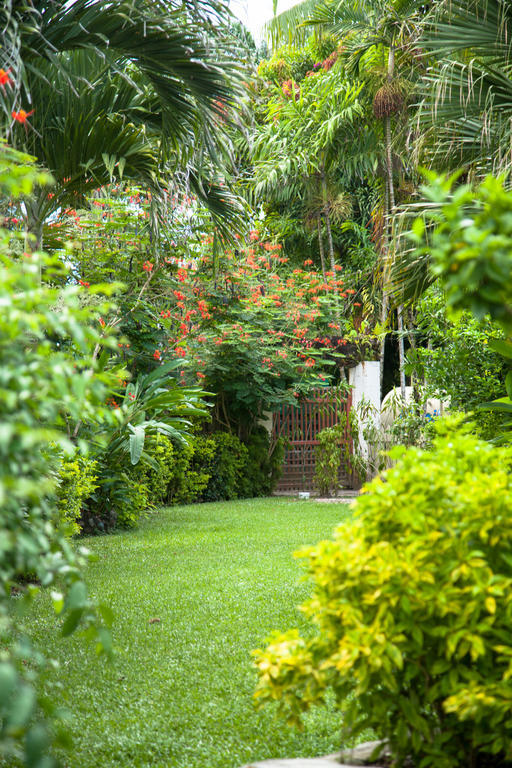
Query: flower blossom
point(5, 79)
point(21, 116)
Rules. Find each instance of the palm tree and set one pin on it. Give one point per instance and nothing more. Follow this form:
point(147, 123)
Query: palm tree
point(299, 149)
point(135, 84)
point(464, 116)
point(467, 93)
point(164, 41)
point(374, 33)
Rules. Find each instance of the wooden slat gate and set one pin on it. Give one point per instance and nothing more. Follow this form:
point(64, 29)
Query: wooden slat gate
point(300, 426)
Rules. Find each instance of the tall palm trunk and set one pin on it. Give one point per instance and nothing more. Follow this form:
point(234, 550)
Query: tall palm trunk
point(385, 303)
point(34, 219)
point(330, 245)
point(321, 245)
point(391, 244)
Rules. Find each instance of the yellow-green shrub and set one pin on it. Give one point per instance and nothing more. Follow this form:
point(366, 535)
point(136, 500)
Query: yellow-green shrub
point(413, 610)
point(156, 478)
point(76, 481)
point(132, 503)
point(328, 456)
point(196, 472)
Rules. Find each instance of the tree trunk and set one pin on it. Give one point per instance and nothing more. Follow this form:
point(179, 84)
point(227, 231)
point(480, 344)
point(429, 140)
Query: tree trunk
point(391, 245)
point(327, 219)
point(321, 245)
point(384, 309)
point(401, 350)
point(34, 223)
point(389, 155)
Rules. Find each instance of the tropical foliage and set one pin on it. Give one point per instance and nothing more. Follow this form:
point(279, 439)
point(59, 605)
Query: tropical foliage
point(196, 234)
point(45, 383)
point(411, 605)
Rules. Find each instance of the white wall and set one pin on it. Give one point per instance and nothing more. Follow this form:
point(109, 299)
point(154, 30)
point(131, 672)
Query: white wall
point(365, 380)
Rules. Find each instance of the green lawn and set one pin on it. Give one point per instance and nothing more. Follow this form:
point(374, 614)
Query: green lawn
point(220, 577)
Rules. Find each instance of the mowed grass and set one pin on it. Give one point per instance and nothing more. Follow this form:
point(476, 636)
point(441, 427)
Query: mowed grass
point(219, 577)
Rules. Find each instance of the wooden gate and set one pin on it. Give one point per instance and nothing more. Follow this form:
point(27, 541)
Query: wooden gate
point(300, 425)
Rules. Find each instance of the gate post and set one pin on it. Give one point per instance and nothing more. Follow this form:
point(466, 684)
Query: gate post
point(365, 381)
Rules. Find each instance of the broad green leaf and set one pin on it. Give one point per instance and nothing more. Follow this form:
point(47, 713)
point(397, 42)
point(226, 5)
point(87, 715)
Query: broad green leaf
point(137, 439)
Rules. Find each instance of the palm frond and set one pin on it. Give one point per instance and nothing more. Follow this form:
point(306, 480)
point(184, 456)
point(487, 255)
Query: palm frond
point(466, 100)
point(291, 26)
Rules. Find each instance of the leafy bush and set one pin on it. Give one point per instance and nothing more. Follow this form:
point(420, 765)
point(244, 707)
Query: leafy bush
point(196, 475)
point(206, 468)
point(154, 405)
point(157, 478)
point(328, 456)
point(275, 69)
point(135, 503)
point(413, 605)
point(229, 461)
point(76, 481)
point(468, 244)
point(47, 381)
point(264, 464)
point(182, 456)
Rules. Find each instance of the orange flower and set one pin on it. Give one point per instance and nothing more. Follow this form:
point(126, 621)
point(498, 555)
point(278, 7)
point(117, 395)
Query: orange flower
point(4, 77)
point(21, 116)
point(156, 354)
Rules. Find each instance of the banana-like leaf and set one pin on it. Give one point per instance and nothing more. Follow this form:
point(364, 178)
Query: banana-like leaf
point(503, 405)
point(137, 439)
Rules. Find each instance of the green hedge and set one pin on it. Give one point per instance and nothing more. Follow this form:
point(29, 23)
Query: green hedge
point(208, 468)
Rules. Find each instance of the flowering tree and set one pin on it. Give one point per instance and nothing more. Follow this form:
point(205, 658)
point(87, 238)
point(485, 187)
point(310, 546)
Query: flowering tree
point(242, 323)
point(256, 333)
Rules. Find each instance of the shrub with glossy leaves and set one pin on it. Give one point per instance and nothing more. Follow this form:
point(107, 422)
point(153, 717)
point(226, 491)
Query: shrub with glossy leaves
point(228, 463)
point(264, 464)
point(47, 382)
point(76, 481)
point(198, 469)
point(328, 456)
point(412, 605)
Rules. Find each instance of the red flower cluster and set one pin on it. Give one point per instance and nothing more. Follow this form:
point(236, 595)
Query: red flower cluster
point(289, 88)
point(147, 266)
